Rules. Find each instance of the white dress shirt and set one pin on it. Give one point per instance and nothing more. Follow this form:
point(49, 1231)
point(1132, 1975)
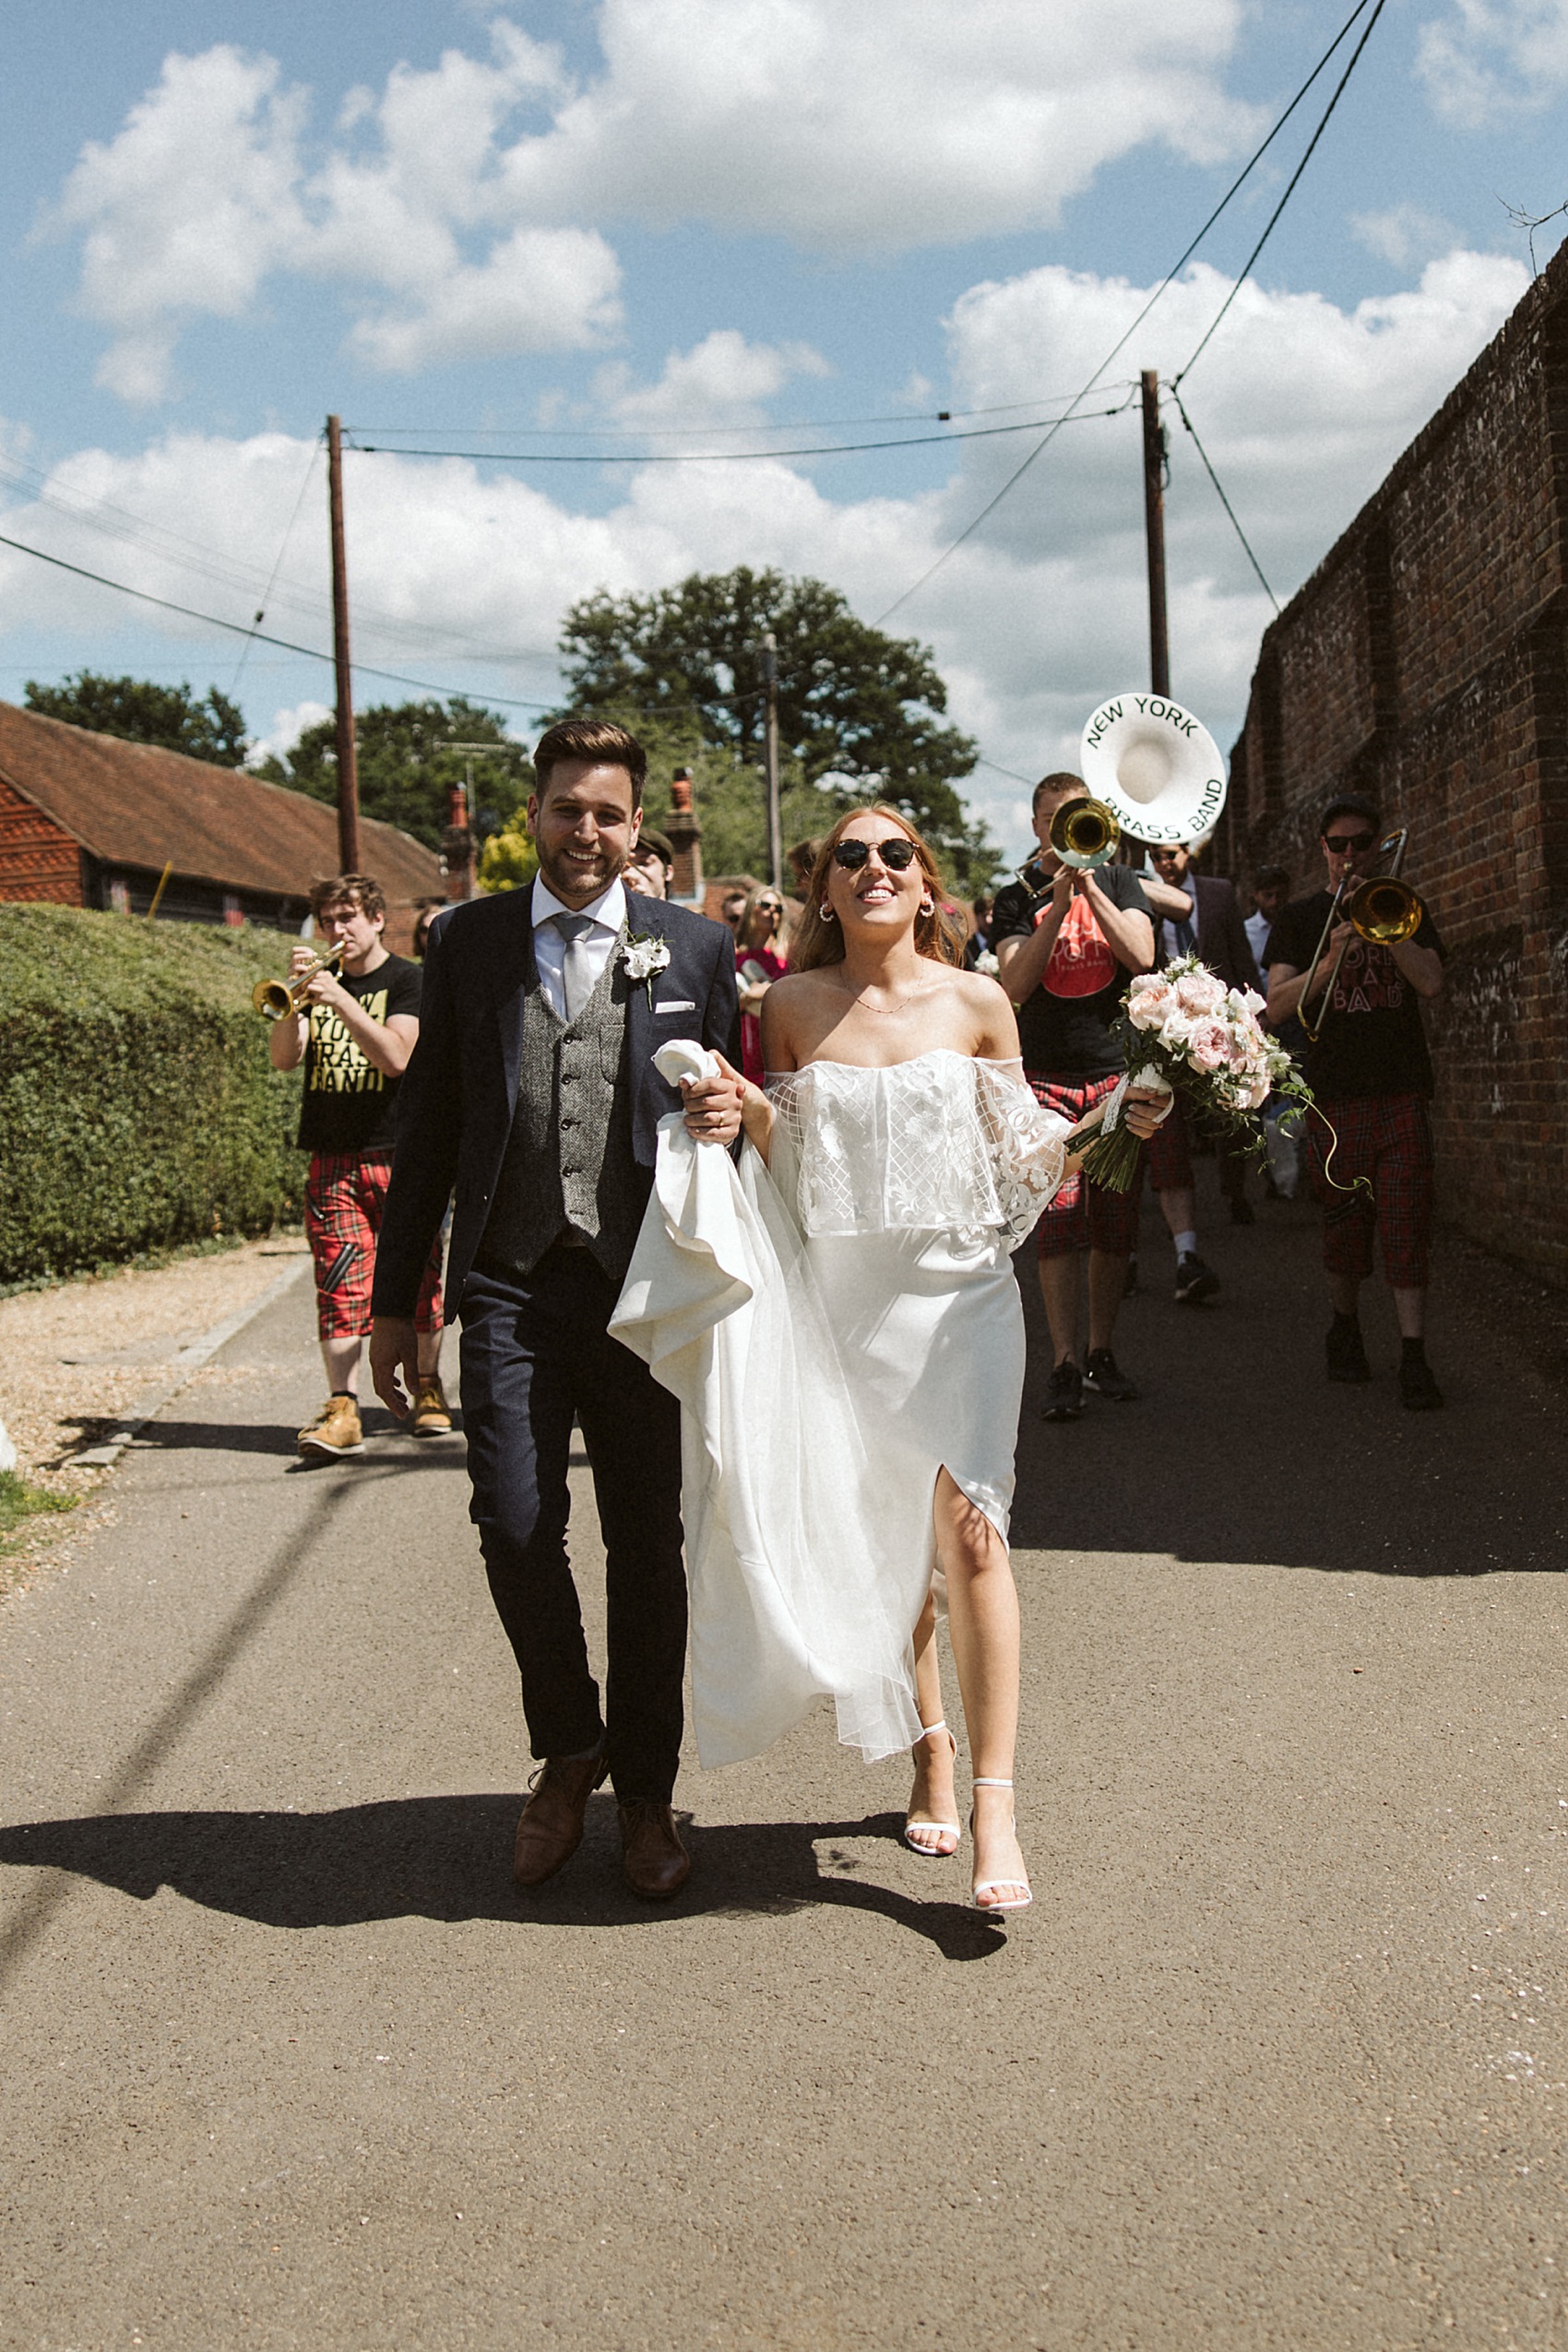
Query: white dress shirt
point(1257, 927)
point(607, 913)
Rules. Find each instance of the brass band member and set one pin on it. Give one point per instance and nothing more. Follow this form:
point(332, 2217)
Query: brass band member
point(1370, 1071)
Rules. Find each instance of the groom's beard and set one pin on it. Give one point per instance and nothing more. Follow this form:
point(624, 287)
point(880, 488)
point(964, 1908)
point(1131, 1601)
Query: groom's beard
point(576, 881)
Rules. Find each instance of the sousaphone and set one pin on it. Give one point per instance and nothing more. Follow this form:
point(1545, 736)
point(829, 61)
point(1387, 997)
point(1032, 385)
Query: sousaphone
point(1156, 767)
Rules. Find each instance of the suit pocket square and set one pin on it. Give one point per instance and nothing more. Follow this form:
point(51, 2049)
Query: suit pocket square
point(675, 1004)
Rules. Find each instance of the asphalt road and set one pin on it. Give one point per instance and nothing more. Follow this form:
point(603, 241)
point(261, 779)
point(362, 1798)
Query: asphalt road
point(1276, 2060)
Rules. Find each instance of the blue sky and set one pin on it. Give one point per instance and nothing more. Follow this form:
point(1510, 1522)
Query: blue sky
point(707, 217)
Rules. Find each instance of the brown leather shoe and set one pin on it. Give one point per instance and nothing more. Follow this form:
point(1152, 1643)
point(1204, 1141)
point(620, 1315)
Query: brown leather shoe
point(549, 1829)
point(655, 1863)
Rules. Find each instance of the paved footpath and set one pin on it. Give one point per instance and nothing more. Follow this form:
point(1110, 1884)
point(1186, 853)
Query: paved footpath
point(1276, 2060)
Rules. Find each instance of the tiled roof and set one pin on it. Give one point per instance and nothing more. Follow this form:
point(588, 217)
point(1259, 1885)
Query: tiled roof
point(131, 804)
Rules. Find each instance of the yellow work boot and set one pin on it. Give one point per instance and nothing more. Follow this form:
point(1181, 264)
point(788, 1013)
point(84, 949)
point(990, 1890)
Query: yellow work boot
point(335, 1429)
point(433, 1416)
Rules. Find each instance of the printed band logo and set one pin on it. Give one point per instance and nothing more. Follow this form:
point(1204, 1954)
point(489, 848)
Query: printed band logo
point(1081, 964)
point(338, 1065)
point(1370, 981)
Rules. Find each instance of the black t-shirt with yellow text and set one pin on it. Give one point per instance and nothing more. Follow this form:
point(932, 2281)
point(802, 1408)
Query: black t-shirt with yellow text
point(350, 1105)
point(1371, 1039)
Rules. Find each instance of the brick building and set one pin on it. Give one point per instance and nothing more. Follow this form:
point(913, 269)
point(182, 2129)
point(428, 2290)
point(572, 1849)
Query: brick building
point(87, 820)
point(1426, 663)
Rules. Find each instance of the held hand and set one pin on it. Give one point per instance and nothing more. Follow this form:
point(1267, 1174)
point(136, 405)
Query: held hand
point(301, 960)
point(1339, 937)
point(715, 1106)
point(633, 879)
point(393, 1363)
point(1146, 1109)
point(325, 988)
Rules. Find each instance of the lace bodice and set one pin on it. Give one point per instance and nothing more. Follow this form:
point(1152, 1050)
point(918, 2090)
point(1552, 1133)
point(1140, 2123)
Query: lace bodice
point(941, 1143)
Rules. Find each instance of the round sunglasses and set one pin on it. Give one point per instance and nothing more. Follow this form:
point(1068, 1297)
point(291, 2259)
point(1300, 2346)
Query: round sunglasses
point(897, 853)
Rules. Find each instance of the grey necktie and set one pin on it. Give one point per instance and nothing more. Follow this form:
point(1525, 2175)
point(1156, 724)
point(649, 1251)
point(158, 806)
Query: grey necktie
point(576, 971)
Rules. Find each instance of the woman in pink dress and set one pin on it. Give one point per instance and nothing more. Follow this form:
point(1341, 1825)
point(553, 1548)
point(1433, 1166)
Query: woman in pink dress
point(759, 939)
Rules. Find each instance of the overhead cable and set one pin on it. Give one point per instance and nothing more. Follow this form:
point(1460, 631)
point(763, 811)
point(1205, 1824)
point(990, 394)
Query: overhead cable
point(238, 629)
point(726, 457)
point(683, 432)
point(1220, 489)
point(1245, 270)
point(1123, 340)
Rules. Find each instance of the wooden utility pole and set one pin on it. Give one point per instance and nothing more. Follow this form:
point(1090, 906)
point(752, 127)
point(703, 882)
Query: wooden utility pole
point(775, 820)
point(348, 758)
point(1154, 529)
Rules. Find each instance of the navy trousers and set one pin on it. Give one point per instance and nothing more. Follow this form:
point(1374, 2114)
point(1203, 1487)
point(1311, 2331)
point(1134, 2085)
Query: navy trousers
point(535, 1351)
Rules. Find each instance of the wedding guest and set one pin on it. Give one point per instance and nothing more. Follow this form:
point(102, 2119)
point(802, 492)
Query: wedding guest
point(650, 866)
point(759, 960)
point(534, 1093)
point(1370, 1073)
point(1066, 955)
point(354, 1034)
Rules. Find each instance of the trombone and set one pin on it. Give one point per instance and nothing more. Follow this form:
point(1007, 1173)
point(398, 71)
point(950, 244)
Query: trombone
point(1083, 833)
point(1379, 907)
point(276, 1000)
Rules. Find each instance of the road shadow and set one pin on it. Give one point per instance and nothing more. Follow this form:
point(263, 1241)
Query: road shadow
point(448, 1858)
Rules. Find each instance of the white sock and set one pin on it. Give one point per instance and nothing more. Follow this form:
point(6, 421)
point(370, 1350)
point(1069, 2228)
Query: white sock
point(1186, 1244)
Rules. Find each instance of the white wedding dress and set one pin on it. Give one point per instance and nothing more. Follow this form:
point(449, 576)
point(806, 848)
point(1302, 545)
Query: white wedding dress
point(839, 1326)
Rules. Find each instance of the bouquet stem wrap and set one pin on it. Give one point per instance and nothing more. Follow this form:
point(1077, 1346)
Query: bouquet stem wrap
point(1111, 1161)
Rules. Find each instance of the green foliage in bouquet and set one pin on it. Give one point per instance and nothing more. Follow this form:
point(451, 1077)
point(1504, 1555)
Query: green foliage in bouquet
point(1183, 1031)
point(137, 1105)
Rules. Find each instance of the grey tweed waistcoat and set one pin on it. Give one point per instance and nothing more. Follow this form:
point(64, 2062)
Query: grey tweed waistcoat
point(569, 1166)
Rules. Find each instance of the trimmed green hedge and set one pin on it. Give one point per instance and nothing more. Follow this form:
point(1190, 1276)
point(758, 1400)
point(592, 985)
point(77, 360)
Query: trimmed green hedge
point(137, 1105)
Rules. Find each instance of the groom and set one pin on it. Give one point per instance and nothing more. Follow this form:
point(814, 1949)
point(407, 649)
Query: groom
point(533, 1092)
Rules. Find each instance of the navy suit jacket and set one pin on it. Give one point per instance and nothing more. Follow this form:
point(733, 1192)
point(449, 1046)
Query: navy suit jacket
point(1221, 941)
point(457, 1094)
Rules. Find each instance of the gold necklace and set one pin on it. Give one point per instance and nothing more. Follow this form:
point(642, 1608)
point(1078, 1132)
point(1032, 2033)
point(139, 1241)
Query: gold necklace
point(896, 1006)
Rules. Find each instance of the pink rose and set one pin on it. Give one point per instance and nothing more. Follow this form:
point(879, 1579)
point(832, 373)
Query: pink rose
point(1200, 992)
point(1209, 1048)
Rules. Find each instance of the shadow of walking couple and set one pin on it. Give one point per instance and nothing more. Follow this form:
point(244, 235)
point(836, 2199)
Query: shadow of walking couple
point(446, 1858)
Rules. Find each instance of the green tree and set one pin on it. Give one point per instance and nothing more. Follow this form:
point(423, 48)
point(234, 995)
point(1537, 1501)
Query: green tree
point(212, 729)
point(858, 712)
point(407, 768)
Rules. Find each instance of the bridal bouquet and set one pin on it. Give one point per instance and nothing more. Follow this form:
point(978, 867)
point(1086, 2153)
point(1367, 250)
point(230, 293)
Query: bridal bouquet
point(1183, 1030)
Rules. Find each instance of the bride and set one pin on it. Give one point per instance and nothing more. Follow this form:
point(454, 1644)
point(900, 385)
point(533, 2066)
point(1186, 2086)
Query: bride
point(898, 1131)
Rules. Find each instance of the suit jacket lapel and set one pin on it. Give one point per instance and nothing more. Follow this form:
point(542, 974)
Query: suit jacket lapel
point(647, 916)
point(513, 976)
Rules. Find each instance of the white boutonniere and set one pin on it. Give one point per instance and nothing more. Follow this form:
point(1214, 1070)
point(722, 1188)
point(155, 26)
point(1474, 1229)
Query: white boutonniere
point(642, 957)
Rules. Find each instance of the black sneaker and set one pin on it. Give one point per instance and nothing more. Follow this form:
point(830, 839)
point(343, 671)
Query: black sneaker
point(1105, 1376)
point(1195, 1282)
point(1346, 1356)
point(1242, 1213)
point(1418, 1391)
point(1065, 1395)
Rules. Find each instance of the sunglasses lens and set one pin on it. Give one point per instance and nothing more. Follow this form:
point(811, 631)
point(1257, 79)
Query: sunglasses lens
point(898, 855)
point(1349, 841)
point(851, 855)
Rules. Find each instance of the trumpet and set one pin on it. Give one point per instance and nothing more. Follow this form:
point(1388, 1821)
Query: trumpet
point(276, 1000)
point(1380, 908)
point(1083, 833)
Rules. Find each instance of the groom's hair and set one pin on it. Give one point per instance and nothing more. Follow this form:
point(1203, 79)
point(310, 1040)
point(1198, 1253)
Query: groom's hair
point(595, 739)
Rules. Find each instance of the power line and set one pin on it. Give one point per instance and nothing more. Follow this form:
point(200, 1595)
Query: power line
point(1245, 270)
point(678, 432)
point(266, 592)
point(238, 628)
point(727, 457)
point(1219, 488)
point(1122, 341)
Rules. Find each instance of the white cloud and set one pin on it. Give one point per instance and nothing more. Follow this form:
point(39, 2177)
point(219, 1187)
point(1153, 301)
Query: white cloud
point(1303, 407)
point(461, 209)
point(1488, 58)
point(186, 210)
point(721, 381)
point(287, 725)
point(1402, 235)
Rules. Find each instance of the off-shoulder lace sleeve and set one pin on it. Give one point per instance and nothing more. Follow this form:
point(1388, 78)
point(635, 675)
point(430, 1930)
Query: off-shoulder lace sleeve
point(1029, 1143)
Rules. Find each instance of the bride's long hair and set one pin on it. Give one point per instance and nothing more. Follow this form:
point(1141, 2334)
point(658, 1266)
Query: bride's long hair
point(816, 943)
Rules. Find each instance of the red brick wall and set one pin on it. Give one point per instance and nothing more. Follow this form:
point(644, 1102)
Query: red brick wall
point(1426, 663)
point(37, 859)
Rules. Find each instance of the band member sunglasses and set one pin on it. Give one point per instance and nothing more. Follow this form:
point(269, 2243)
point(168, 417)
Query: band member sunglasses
point(897, 853)
point(1346, 844)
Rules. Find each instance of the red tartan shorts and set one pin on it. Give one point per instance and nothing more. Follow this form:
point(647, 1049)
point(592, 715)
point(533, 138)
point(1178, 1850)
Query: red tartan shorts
point(344, 1198)
point(1084, 1215)
point(1387, 1139)
point(1167, 1155)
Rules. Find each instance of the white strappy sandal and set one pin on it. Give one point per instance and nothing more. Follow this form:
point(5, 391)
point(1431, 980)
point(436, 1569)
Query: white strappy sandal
point(988, 1885)
point(943, 1828)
